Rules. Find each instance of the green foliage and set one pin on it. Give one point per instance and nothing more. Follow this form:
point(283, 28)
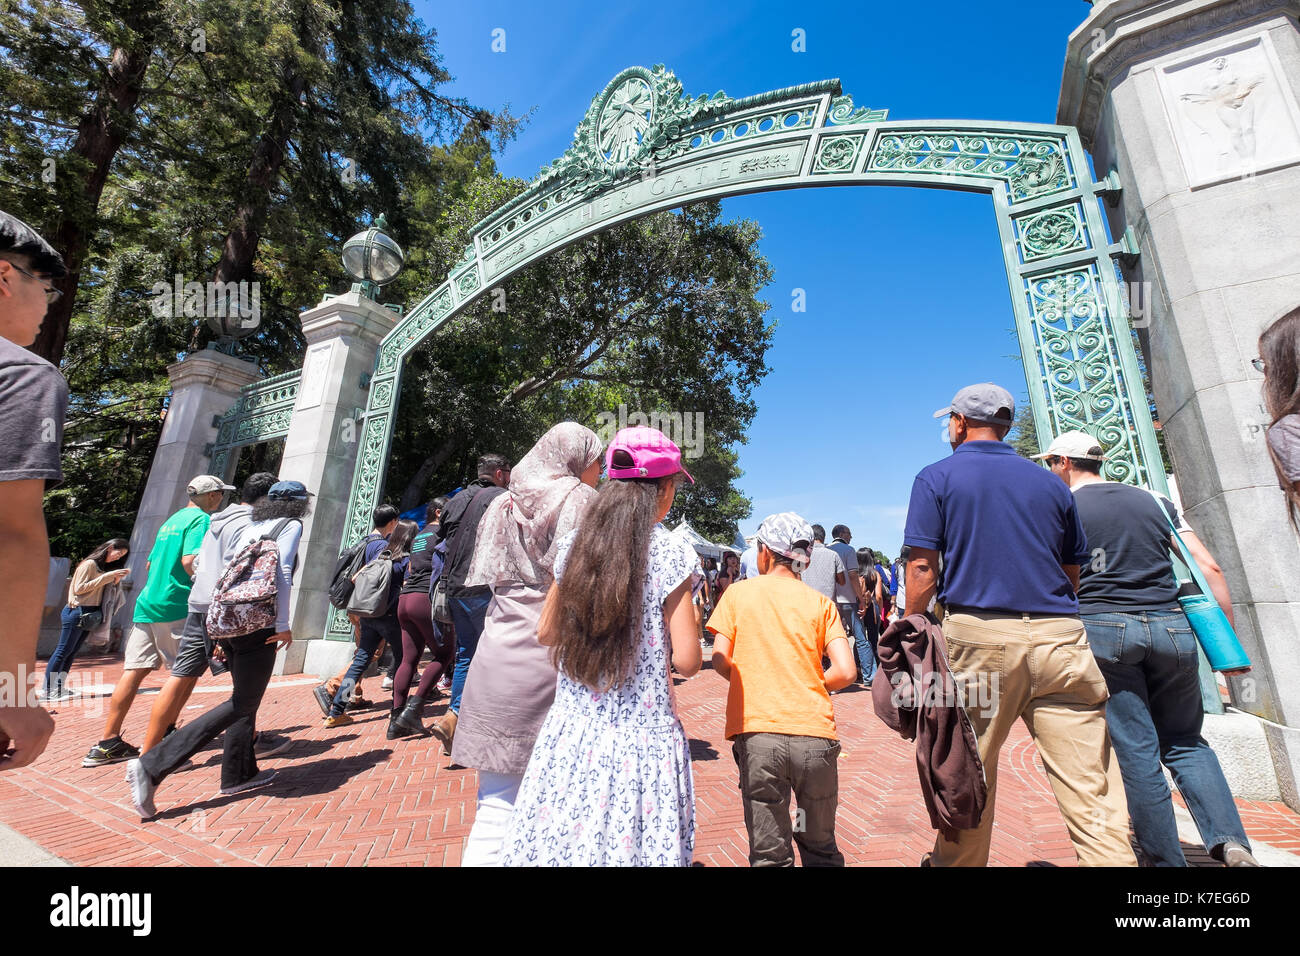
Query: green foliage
point(255, 137)
point(265, 133)
point(1022, 437)
point(657, 315)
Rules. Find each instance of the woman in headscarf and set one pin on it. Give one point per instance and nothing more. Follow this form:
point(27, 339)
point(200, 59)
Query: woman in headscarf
point(511, 683)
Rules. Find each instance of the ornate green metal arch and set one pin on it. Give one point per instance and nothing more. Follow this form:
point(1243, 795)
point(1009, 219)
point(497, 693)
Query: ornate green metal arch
point(262, 413)
point(644, 147)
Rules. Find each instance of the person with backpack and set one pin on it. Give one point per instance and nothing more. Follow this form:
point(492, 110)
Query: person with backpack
point(265, 566)
point(374, 600)
point(226, 537)
point(383, 521)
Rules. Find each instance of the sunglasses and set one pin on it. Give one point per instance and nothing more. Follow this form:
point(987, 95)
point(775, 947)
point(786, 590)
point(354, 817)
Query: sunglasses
point(51, 294)
point(1258, 364)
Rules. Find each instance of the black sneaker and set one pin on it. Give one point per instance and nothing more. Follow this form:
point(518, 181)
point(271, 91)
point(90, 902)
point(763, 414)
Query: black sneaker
point(324, 699)
point(115, 752)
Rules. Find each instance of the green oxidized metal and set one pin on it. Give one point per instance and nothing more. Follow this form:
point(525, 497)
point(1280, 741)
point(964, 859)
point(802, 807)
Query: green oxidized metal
point(645, 146)
point(262, 413)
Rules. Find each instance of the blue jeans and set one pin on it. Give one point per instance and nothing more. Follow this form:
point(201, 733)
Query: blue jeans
point(70, 641)
point(1154, 715)
point(467, 615)
point(853, 625)
point(374, 631)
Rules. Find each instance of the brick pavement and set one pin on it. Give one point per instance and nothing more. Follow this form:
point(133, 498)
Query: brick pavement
point(351, 797)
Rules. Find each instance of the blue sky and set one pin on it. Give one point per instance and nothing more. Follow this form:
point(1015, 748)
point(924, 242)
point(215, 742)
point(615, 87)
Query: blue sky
point(907, 297)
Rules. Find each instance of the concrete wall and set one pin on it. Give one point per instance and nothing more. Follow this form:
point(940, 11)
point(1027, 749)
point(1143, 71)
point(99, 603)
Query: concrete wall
point(1194, 104)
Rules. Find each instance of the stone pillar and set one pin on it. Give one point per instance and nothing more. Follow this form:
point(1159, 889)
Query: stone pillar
point(343, 335)
point(204, 384)
point(1194, 105)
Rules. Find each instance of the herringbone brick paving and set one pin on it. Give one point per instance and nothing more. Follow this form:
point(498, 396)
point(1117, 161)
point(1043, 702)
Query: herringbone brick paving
point(351, 797)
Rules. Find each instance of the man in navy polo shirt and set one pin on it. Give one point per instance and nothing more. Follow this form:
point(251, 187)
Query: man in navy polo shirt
point(1011, 545)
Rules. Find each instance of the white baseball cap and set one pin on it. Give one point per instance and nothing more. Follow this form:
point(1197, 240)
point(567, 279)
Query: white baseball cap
point(202, 484)
point(1074, 444)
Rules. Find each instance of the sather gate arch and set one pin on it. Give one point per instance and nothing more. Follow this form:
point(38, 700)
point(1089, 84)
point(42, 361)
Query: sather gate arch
point(644, 147)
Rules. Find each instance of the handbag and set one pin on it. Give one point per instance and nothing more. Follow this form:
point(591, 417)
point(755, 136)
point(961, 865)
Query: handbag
point(441, 609)
point(1208, 622)
point(91, 619)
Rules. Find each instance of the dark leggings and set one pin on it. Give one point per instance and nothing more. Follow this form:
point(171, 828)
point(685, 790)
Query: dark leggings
point(415, 614)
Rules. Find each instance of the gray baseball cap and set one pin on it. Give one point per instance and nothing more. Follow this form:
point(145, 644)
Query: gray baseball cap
point(982, 403)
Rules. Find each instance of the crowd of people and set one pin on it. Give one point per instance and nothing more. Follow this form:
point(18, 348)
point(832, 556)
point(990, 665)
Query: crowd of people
point(556, 609)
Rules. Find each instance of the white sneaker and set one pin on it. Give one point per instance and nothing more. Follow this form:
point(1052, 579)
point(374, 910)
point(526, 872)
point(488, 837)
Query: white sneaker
point(142, 789)
point(386, 684)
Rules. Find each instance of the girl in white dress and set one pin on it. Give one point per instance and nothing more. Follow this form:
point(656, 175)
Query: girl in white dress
point(609, 782)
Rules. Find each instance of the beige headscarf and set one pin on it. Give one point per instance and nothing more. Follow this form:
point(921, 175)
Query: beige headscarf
point(546, 498)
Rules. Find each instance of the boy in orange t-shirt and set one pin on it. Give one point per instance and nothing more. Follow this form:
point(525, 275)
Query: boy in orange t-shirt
point(770, 635)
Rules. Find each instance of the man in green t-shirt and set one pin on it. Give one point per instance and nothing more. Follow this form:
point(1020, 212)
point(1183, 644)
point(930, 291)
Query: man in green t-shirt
point(160, 609)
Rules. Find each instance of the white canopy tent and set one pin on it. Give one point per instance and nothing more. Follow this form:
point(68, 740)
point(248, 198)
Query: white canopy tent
point(702, 545)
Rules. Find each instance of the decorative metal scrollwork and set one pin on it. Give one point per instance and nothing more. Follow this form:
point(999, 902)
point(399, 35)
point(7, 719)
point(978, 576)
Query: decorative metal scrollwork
point(1051, 232)
point(262, 412)
point(1030, 166)
point(1078, 364)
point(837, 154)
point(1080, 359)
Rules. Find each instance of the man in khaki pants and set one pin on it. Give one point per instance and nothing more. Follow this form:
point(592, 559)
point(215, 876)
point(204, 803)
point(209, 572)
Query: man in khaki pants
point(1011, 546)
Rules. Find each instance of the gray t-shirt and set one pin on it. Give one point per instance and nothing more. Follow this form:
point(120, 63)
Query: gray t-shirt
point(823, 565)
point(33, 404)
point(844, 593)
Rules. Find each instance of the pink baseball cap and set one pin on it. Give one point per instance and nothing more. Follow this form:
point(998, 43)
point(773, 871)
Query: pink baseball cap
point(653, 454)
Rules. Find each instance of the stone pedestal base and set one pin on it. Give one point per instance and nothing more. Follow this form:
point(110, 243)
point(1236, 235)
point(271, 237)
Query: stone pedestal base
point(204, 384)
point(324, 658)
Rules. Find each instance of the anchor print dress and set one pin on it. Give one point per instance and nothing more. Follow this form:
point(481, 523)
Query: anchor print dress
point(609, 782)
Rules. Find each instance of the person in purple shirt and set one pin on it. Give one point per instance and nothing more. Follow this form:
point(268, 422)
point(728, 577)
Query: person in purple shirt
point(999, 540)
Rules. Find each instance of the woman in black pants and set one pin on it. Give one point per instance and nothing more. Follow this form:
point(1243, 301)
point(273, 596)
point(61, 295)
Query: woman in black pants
point(420, 630)
point(251, 659)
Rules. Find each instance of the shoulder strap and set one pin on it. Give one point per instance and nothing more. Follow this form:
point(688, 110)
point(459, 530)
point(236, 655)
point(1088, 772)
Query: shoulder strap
point(274, 533)
point(1184, 554)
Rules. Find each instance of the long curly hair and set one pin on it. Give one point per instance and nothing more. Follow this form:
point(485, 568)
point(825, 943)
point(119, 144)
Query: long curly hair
point(597, 623)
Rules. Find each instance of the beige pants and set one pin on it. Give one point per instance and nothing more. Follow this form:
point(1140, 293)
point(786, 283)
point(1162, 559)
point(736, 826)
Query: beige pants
point(150, 646)
point(1041, 670)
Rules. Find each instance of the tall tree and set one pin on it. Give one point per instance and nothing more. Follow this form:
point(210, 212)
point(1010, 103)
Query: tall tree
point(111, 71)
point(661, 314)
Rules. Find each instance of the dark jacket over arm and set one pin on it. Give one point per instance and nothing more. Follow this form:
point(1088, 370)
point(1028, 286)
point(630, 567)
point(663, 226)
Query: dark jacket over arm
point(917, 699)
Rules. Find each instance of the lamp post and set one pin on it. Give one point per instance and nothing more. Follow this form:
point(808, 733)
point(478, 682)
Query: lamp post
point(373, 259)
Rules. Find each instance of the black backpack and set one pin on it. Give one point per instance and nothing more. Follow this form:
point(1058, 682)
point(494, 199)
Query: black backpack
point(349, 563)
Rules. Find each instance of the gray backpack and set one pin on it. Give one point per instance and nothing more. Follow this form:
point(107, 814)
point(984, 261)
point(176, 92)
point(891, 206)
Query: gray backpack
point(370, 588)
